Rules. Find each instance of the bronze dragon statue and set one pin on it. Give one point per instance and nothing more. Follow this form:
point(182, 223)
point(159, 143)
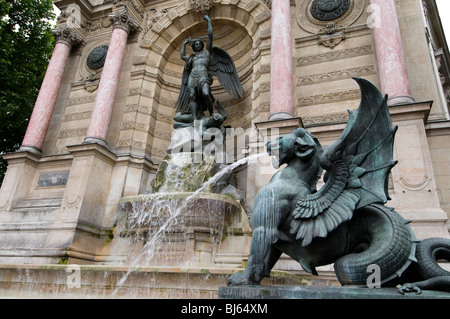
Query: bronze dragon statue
point(345, 222)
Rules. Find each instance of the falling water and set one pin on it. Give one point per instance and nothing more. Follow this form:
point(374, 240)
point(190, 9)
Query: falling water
point(139, 217)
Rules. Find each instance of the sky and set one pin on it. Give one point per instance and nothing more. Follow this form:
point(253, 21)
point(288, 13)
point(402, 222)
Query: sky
point(444, 12)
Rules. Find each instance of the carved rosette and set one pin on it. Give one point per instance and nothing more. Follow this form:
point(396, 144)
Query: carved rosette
point(67, 36)
point(123, 20)
point(201, 5)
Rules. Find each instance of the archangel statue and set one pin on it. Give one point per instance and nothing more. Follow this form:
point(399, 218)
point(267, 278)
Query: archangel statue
point(195, 94)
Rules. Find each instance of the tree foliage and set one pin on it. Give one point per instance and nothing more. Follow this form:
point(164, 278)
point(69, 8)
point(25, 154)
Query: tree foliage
point(26, 44)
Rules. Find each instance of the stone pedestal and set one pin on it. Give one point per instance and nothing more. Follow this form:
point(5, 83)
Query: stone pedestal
point(321, 292)
point(413, 190)
point(59, 208)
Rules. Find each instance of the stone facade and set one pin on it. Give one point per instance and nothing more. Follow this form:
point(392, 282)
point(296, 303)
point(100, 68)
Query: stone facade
point(96, 142)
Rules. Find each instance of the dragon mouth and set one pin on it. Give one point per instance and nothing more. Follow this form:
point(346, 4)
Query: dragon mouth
point(306, 151)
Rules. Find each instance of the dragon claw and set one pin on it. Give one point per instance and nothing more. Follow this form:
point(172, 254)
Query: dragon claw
point(239, 279)
point(408, 288)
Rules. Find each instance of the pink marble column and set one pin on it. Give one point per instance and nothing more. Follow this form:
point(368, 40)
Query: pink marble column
point(390, 55)
point(109, 81)
point(281, 76)
point(46, 100)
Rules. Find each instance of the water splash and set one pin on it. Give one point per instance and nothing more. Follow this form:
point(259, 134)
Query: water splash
point(139, 217)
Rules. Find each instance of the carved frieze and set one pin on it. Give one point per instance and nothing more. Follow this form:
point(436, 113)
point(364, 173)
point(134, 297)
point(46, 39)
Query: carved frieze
point(336, 75)
point(334, 118)
point(77, 116)
point(334, 55)
point(329, 97)
point(73, 132)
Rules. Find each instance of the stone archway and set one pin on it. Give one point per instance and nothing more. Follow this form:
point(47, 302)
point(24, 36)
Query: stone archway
point(242, 27)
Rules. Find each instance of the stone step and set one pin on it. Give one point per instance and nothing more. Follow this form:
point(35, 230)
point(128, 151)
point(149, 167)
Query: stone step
point(229, 260)
point(39, 203)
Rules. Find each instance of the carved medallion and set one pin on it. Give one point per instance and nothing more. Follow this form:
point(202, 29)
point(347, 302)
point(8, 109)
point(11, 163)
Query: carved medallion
point(327, 10)
point(96, 59)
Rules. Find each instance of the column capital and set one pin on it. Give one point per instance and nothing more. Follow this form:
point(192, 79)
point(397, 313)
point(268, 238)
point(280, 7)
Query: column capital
point(67, 35)
point(124, 20)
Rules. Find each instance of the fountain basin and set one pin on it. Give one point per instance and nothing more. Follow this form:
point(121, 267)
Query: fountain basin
point(101, 281)
point(177, 229)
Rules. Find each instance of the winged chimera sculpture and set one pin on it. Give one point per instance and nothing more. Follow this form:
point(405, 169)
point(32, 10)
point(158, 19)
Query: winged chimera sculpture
point(345, 222)
point(195, 95)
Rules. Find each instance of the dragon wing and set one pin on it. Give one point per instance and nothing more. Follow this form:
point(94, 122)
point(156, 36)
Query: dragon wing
point(357, 168)
point(223, 67)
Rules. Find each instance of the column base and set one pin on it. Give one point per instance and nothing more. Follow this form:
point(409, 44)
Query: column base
point(95, 140)
point(280, 116)
point(401, 99)
point(30, 149)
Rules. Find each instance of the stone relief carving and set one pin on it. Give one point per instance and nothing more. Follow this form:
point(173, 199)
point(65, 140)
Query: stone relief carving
point(334, 55)
point(337, 75)
point(200, 5)
point(331, 35)
point(96, 58)
point(92, 81)
point(151, 18)
point(329, 97)
point(327, 10)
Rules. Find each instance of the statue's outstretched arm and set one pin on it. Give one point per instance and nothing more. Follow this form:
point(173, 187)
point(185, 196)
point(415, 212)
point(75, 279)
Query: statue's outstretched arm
point(184, 57)
point(209, 44)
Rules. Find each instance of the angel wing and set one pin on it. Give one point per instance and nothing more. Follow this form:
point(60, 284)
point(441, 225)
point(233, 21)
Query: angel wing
point(357, 168)
point(223, 67)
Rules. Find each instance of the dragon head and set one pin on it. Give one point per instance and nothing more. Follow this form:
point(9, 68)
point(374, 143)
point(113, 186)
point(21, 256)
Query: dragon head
point(299, 144)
